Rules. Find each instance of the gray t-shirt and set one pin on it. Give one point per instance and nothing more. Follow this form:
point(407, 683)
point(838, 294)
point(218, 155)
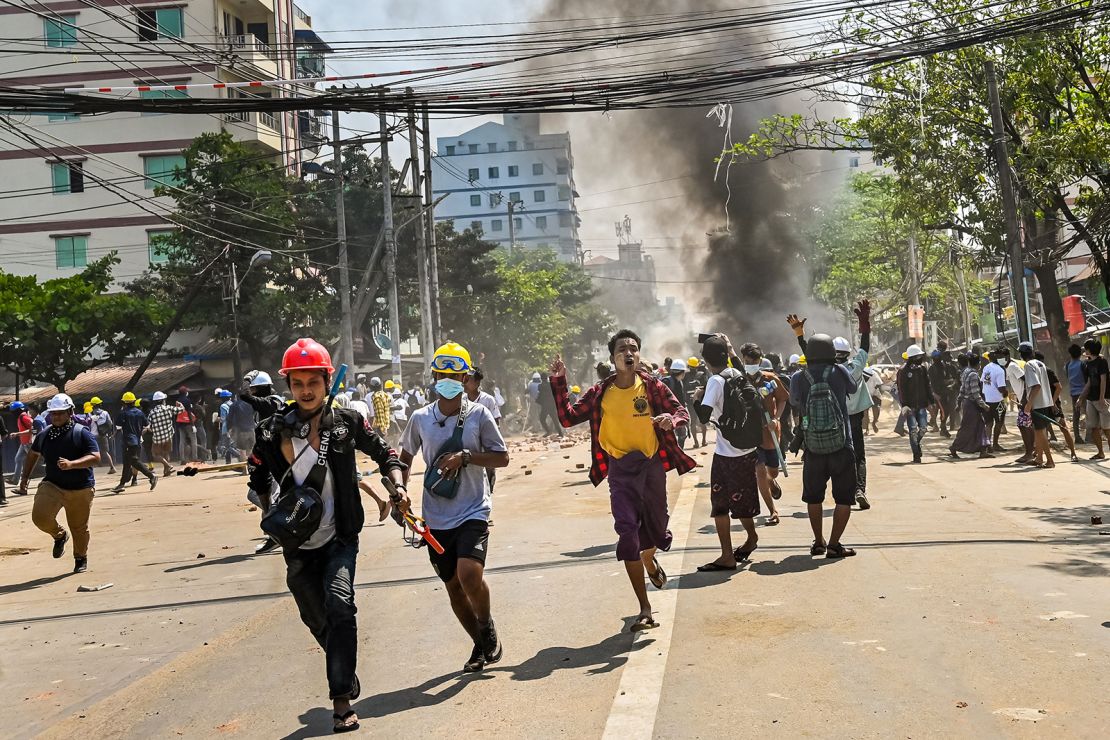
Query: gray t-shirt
point(480, 434)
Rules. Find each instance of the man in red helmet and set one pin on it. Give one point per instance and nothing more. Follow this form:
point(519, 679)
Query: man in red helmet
point(314, 445)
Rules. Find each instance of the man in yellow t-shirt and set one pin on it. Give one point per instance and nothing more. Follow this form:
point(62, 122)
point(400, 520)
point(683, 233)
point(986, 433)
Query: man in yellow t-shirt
point(632, 418)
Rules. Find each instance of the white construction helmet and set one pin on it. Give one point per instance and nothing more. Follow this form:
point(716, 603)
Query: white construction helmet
point(840, 344)
point(794, 359)
point(765, 364)
point(158, 396)
point(261, 379)
point(60, 402)
point(678, 366)
point(913, 351)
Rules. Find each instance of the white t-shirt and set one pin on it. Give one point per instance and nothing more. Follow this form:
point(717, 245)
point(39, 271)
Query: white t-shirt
point(1036, 374)
point(361, 407)
point(490, 403)
point(302, 466)
point(1015, 375)
point(874, 383)
point(994, 378)
point(715, 399)
point(399, 406)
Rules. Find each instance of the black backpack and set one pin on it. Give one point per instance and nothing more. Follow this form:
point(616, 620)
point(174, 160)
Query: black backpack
point(741, 420)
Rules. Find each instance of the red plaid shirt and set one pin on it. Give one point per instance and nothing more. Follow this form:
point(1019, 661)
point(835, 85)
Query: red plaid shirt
point(588, 406)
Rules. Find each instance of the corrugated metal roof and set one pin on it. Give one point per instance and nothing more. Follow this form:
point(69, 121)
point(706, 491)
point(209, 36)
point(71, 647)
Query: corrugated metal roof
point(108, 381)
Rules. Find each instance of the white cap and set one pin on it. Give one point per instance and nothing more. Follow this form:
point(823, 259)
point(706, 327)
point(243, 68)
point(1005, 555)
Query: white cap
point(158, 396)
point(914, 351)
point(261, 379)
point(535, 376)
point(840, 344)
point(678, 366)
point(60, 402)
point(794, 359)
point(766, 364)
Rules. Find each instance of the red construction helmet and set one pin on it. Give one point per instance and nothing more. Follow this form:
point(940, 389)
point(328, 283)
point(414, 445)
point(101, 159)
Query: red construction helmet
point(306, 354)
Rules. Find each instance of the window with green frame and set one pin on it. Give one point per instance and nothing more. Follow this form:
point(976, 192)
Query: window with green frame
point(160, 170)
point(156, 245)
point(163, 23)
point(161, 95)
point(71, 251)
point(67, 177)
point(60, 31)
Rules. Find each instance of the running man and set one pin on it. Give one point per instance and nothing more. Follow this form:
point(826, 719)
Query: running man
point(70, 453)
point(312, 445)
point(132, 424)
point(105, 432)
point(460, 442)
point(632, 420)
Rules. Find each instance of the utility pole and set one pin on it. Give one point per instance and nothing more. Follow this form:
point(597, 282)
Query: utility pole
point(915, 287)
point(512, 228)
point(346, 331)
point(236, 357)
point(433, 260)
point(1009, 207)
point(427, 340)
point(390, 252)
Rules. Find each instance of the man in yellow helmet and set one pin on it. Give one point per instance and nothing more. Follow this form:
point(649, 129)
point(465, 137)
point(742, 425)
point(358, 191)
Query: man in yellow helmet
point(133, 423)
point(105, 432)
point(460, 442)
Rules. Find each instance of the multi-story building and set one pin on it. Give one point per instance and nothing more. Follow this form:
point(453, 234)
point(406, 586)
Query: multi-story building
point(57, 216)
point(488, 168)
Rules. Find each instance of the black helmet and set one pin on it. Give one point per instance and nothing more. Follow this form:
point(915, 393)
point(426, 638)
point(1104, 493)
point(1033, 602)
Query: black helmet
point(820, 348)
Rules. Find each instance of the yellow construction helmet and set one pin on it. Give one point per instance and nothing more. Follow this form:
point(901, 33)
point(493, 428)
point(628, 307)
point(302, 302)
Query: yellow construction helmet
point(693, 362)
point(905, 356)
point(389, 385)
point(802, 360)
point(128, 397)
point(575, 389)
point(138, 403)
point(88, 407)
point(451, 358)
point(95, 401)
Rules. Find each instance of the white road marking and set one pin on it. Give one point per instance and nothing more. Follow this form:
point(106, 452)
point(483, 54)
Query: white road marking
point(637, 701)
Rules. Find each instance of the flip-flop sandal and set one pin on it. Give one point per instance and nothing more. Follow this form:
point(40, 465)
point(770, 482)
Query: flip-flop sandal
point(772, 521)
point(643, 623)
point(714, 567)
point(659, 578)
point(348, 722)
point(817, 548)
point(776, 490)
point(743, 554)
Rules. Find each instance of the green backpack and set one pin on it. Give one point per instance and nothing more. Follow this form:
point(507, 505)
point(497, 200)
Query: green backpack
point(822, 420)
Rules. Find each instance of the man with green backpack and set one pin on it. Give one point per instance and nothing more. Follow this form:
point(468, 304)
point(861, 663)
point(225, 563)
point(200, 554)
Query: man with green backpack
point(821, 391)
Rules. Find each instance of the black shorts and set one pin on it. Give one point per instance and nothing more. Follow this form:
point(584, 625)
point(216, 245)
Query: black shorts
point(1044, 418)
point(838, 467)
point(733, 487)
point(768, 458)
point(468, 540)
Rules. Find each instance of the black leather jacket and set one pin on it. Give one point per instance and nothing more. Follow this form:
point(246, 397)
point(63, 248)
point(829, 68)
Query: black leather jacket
point(349, 432)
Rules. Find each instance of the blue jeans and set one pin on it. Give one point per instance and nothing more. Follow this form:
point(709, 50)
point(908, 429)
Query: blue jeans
point(917, 421)
point(322, 583)
point(20, 456)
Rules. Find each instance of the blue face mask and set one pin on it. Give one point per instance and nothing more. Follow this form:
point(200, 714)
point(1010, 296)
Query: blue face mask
point(448, 388)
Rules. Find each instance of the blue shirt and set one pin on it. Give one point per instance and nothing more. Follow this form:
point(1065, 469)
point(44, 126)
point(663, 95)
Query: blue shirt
point(71, 445)
point(131, 422)
point(1077, 378)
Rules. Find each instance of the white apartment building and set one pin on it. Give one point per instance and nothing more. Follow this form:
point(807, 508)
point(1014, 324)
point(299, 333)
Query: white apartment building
point(56, 218)
point(486, 168)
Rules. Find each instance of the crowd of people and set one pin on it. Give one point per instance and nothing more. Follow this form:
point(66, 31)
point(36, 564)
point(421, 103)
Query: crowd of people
point(299, 453)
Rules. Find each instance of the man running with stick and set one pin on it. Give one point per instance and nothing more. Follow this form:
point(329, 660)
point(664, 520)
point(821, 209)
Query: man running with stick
point(632, 418)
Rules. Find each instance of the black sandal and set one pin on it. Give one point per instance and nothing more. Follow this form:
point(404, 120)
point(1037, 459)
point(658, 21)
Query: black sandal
point(816, 548)
point(839, 551)
point(659, 577)
point(342, 723)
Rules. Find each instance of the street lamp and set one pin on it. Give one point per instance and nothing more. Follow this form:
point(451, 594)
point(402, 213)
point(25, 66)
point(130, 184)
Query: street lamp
point(260, 257)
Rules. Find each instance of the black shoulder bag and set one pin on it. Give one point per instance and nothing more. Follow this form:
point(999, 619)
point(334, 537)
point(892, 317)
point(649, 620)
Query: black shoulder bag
point(295, 516)
point(434, 481)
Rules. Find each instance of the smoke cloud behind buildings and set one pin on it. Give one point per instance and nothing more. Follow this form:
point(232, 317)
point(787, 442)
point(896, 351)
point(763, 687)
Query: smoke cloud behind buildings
point(743, 280)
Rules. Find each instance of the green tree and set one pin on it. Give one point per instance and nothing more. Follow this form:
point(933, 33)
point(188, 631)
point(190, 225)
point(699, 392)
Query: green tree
point(55, 330)
point(230, 202)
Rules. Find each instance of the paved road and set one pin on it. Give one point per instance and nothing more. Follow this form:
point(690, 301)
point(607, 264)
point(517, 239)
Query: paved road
point(978, 606)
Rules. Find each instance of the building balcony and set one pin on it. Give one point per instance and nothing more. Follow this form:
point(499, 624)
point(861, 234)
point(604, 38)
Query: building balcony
point(255, 127)
point(304, 20)
point(252, 50)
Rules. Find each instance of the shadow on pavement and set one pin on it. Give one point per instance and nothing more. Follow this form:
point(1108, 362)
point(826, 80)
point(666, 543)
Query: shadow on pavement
point(1074, 525)
point(607, 655)
point(591, 552)
point(201, 562)
point(12, 588)
point(791, 564)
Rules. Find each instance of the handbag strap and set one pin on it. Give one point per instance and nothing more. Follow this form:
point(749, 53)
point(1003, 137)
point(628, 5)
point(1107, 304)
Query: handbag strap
point(318, 474)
